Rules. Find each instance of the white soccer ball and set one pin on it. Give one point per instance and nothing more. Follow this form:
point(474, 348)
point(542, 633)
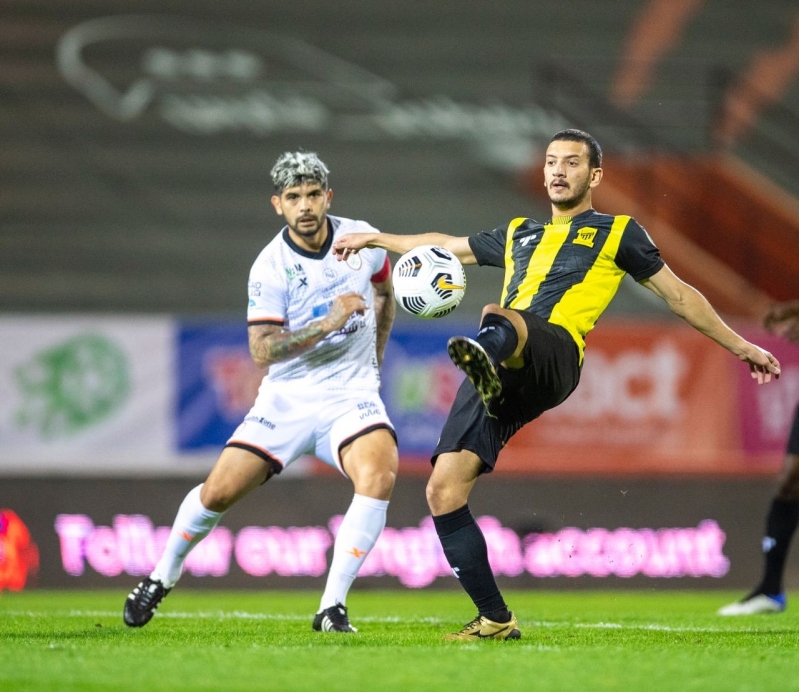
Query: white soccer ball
point(429, 281)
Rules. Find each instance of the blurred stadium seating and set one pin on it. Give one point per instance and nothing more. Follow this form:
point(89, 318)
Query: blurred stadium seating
point(426, 118)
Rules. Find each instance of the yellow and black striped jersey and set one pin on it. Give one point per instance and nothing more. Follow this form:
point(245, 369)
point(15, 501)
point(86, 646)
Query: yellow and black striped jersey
point(568, 269)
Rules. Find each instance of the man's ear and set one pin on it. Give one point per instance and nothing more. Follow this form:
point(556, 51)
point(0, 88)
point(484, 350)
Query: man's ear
point(276, 204)
point(596, 177)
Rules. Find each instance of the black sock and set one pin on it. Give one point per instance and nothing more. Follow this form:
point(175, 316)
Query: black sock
point(781, 523)
point(498, 337)
point(466, 551)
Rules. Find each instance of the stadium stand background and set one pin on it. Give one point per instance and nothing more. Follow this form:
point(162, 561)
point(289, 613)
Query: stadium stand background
point(104, 214)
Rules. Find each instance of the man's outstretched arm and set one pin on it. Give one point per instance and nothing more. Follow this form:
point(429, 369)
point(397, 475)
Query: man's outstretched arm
point(686, 302)
point(351, 243)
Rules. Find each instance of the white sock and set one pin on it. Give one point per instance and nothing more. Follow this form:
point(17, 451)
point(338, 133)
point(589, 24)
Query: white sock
point(192, 523)
point(361, 527)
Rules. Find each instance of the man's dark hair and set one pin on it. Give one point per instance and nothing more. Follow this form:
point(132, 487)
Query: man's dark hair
point(594, 150)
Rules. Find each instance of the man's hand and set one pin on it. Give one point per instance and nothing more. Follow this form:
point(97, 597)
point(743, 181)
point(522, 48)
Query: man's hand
point(762, 365)
point(349, 244)
point(342, 309)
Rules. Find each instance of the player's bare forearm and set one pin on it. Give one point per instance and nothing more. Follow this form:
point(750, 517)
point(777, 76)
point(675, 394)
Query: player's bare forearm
point(269, 346)
point(385, 309)
point(698, 312)
point(695, 309)
point(691, 305)
point(686, 302)
point(353, 242)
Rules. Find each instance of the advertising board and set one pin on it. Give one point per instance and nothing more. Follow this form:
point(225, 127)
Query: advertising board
point(567, 533)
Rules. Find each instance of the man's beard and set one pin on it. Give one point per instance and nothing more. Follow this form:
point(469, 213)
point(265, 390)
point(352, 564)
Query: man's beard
point(309, 233)
point(575, 200)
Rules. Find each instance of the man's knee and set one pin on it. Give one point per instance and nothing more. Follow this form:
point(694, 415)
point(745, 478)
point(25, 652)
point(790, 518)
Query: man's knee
point(376, 480)
point(435, 492)
point(451, 482)
point(216, 496)
point(493, 309)
point(236, 473)
point(515, 322)
point(444, 497)
point(446, 491)
point(220, 494)
point(371, 463)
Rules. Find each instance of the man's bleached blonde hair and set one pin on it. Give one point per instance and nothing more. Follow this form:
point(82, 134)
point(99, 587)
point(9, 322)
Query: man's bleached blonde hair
point(296, 167)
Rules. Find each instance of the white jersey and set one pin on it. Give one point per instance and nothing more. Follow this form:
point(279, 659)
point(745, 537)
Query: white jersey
point(292, 287)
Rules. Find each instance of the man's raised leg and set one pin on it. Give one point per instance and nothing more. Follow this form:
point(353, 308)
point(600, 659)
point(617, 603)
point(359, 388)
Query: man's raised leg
point(500, 340)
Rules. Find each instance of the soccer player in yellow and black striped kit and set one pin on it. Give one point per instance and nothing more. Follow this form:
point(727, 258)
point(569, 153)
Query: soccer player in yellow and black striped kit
point(559, 277)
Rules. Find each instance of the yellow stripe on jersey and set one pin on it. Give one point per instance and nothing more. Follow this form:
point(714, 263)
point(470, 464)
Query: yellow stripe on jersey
point(509, 265)
point(555, 234)
point(580, 307)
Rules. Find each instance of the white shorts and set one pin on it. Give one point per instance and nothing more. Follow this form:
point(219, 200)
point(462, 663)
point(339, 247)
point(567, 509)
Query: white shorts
point(285, 423)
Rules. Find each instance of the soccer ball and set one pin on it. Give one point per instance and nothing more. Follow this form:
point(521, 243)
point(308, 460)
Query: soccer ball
point(429, 282)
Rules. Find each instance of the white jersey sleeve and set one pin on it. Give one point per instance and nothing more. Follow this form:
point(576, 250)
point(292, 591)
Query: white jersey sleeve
point(267, 291)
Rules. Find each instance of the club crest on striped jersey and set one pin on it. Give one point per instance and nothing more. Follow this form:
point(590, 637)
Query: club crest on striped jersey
point(585, 236)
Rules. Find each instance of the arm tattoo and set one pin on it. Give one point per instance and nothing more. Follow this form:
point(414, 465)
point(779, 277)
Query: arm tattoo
point(271, 344)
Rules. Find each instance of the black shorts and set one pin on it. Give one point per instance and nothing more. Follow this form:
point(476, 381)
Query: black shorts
point(793, 440)
point(550, 373)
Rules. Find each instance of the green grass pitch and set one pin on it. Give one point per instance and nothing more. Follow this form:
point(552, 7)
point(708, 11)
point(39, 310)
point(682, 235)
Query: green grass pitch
point(575, 641)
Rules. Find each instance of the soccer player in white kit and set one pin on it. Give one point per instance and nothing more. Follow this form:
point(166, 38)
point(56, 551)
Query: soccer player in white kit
point(320, 327)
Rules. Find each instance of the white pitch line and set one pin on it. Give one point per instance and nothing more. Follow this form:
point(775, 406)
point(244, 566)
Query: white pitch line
point(642, 626)
point(241, 615)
